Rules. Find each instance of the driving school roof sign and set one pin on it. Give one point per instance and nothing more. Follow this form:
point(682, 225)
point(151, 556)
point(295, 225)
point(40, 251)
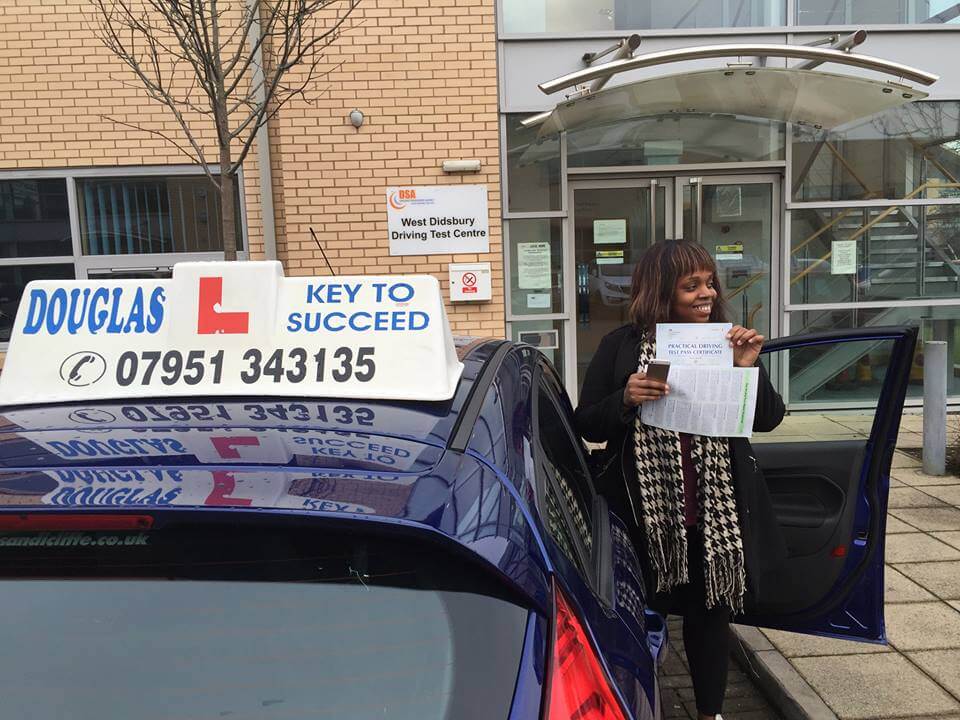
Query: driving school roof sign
point(231, 328)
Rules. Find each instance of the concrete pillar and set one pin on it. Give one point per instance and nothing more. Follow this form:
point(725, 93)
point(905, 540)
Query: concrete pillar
point(934, 407)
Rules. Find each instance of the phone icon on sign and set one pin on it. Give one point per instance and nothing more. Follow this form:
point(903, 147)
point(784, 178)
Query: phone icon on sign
point(83, 368)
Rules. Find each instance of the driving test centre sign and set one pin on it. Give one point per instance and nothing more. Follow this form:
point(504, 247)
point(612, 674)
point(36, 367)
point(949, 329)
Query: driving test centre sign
point(438, 219)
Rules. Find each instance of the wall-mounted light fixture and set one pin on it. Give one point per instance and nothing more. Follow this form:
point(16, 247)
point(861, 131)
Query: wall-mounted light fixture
point(356, 118)
point(461, 166)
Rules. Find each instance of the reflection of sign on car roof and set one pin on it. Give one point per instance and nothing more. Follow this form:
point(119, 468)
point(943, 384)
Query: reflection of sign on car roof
point(231, 329)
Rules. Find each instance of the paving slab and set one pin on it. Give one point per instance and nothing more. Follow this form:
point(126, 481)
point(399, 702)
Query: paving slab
point(908, 497)
point(942, 665)
point(951, 537)
point(922, 626)
point(898, 588)
point(940, 578)
point(930, 519)
point(915, 478)
point(794, 645)
point(918, 547)
point(902, 460)
point(895, 526)
point(950, 494)
point(874, 686)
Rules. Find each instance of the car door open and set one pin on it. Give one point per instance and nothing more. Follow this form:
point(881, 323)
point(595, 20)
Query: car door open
point(828, 478)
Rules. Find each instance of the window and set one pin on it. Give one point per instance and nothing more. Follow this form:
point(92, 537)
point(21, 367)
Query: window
point(675, 139)
point(876, 12)
point(286, 620)
point(533, 168)
point(536, 266)
point(875, 253)
point(858, 375)
point(34, 219)
point(910, 152)
point(565, 481)
point(125, 216)
point(578, 16)
point(120, 218)
point(13, 280)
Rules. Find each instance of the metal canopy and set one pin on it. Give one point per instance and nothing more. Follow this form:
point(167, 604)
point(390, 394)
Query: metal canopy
point(810, 97)
point(762, 50)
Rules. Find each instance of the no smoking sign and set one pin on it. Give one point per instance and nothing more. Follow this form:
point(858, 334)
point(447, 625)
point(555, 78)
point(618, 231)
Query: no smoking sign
point(469, 282)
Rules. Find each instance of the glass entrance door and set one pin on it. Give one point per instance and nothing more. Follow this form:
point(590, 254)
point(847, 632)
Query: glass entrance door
point(613, 222)
point(737, 218)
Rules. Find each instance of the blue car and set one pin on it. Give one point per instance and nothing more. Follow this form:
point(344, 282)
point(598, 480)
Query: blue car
point(252, 558)
point(232, 494)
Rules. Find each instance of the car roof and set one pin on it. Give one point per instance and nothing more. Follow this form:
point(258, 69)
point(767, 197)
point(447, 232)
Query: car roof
point(395, 462)
point(41, 436)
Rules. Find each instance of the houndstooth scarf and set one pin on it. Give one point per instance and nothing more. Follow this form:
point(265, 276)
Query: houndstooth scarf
point(660, 480)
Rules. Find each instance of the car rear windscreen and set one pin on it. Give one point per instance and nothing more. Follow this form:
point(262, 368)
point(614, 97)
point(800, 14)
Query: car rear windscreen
point(241, 621)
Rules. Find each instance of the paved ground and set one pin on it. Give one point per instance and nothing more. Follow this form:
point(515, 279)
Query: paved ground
point(918, 674)
point(743, 701)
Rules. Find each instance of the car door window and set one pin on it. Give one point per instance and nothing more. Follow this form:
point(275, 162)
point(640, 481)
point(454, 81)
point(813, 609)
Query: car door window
point(563, 478)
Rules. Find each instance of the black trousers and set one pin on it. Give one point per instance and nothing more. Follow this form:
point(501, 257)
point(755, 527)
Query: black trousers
point(706, 633)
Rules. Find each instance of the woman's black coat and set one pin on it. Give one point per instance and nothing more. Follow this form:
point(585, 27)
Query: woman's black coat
point(602, 417)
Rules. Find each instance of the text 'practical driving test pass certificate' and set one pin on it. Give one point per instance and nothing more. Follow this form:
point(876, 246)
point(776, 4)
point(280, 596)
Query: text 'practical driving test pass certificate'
point(708, 395)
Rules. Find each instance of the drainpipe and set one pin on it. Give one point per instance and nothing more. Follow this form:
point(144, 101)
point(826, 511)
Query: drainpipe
point(263, 142)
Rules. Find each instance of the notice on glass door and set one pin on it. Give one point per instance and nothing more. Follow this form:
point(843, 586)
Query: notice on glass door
point(533, 266)
point(610, 232)
point(843, 257)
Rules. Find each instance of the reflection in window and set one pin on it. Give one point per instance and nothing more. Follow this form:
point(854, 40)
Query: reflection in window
point(876, 12)
point(874, 253)
point(576, 16)
point(911, 152)
point(125, 216)
point(674, 139)
point(34, 219)
point(533, 169)
point(861, 372)
point(13, 280)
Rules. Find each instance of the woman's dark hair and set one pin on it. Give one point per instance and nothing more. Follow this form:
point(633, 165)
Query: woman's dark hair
point(655, 279)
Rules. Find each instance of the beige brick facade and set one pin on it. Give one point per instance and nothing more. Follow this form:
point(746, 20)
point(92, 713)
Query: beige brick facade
point(423, 72)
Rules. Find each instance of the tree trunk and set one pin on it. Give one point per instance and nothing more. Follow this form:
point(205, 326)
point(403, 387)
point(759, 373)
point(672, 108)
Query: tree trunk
point(228, 211)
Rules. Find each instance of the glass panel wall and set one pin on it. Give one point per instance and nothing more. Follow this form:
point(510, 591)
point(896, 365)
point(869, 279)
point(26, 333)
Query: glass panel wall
point(912, 152)
point(876, 12)
point(677, 138)
point(124, 216)
point(874, 253)
point(533, 169)
point(13, 280)
point(34, 218)
point(578, 16)
point(536, 266)
point(853, 377)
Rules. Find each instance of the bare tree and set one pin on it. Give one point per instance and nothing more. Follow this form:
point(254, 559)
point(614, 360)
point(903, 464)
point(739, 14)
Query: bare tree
point(238, 56)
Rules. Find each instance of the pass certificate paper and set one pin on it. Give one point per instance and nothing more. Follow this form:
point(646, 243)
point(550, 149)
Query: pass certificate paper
point(711, 401)
point(694, 344)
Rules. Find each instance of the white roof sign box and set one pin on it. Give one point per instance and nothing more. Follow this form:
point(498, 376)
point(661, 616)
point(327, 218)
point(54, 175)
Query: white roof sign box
point(231, 329)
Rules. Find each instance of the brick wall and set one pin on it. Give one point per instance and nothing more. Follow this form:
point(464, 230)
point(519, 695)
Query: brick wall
point(423, 72)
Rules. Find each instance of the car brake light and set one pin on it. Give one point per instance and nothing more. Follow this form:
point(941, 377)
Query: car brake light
point(578, 688)
point(76, 521)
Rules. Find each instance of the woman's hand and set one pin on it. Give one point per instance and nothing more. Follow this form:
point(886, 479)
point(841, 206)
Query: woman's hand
point(640, 390)
point(746, 345)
